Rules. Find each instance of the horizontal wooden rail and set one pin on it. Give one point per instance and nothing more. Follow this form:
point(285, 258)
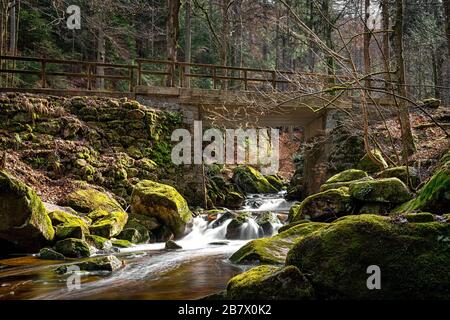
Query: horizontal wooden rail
point(147, 71)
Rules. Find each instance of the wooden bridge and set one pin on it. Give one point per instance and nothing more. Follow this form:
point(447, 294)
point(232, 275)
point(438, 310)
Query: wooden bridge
point(200, 91)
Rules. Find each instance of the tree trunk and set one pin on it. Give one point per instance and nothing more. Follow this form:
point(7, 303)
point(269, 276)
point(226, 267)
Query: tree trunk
point(188, 41)
point(447, 64)
point(225, 39)
point(173, 30)
point(386, 48)
point(101, 53)
point(367, 37)
point(12, 28)
point(407, 136)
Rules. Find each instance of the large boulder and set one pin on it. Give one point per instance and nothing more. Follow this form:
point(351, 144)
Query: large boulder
point(270, 283)
point(107, 263)
point(434, 196)
point(371, 166)
point(88, 200)
point(250, 180)
point(273, 250)
point(24, 222)
point(402, 173)
point(390, 190)
point(348, 175)
point(324, 206)
point(413, 258)
point(162, 202)
point(73, 248)
point(109, 226)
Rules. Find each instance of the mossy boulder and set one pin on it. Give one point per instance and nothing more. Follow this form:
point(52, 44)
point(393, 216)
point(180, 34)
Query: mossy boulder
point(402, 173)
point(270, 283)
point(419, 217)
point(62, 217)
point(130, 234)
point(99, 243)
point(233, 200)
point(324, 206)
point(73, 248)
point(268, 221)
point(434, 196)
point(67, 230)
point(162, 202)
point(50, 254)
point(347, 175)
point(172, 245)
point(370, 166)
point(144, 233)
point(276, 182)
point(390, 190)
point(24, 222)
point(120, 243)
point(413, 258)
point(338, 185)
point(108, 263)
point(110, 225)
point(88, 200)
point(273, 250)
point(250, 180)
point(234, 228)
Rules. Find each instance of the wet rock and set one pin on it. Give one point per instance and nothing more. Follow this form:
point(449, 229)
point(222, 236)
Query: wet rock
point(50, 254)
point(130, 234)
point(99, 243)
point(390, 190)
point(270, 283)
point(219, 243)
point(234, 227)
point(110, 225)
point(276, 182)
point(24, 222)
point(227, 215)
point(251, 180)
point(162, 202)
point(368, 165)
point(88, 200)
point(233, 200)
point(108, 263)
point(67, 230)
point(324, 206)
point(172, 245)
point(267, 221)
point(73, 248)
point(413, 258)
point(273, 250)
point(119, 243)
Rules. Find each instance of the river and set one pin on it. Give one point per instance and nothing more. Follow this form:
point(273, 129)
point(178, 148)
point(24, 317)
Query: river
point(200, 268)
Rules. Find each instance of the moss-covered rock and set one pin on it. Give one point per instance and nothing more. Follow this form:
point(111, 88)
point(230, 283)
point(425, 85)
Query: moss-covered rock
point(234, 227)
point(250, 180)
point(73, 248)
point(108, 263)
point(99, 243)
point(50, 254)
point(270, 283)
point(67, 230)
point(110, 225)
point(337, 185)
point(62, 217)
point(413, 258)
point(233, 200)
point(368, 165)
point(120, 243)
point(276, 182)
point(402, 173)
point(162, 202)
point(347, 175)
point(24, 222)
point(267, 221)
point(390, 190)
point(324, 206)
point(273, 250)
point(88, 200)
point(130, 234)
point(419, 217)
point(172, 245)
point(434, 196)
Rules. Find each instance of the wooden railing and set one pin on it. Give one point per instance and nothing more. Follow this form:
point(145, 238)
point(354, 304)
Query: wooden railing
point(42, 73)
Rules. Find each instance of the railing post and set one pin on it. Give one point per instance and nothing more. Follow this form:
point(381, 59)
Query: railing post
point(214, 77)
point(43, 77)
point(139, 73)
point(131, 74)
point(274, 80)
point(245, 80)
point(181, 67)
point(88, 76)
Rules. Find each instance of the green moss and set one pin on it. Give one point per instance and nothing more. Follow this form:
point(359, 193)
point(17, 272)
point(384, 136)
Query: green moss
point(273, 250)
point(276, 182)
point(419, 217)
point(250, 180)
point(121, 243)
point(162, 202)
point(390, 190)
point(73, 248)
point(413, 258)
point(98, 242)
point(270, 283)
point(67, 230)
point(347, 175)
point(366, 163)
point(323, 206)
point(88, 200)
point(337, 185)
point(23, 218)
point(402, 174)
point(111, 225)
point(292, 224)
point(61, 217)
point(434, 196)
point(50, 254)
point(98, 214)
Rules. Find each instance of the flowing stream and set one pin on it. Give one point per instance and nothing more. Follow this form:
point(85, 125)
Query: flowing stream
point(200, 268)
